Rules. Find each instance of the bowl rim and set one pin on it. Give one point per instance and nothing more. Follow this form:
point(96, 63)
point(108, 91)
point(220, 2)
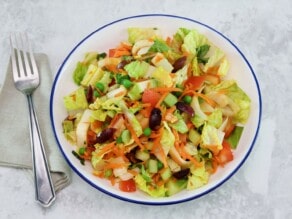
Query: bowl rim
point(217, 185)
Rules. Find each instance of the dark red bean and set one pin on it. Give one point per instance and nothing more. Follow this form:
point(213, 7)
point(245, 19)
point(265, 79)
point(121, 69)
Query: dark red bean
point(181, 174)
point(122, 64)
point(155, 118)
point(89, 94)
point(179, 63)
point(132, 156)
point(105, 135)
point(183, 107)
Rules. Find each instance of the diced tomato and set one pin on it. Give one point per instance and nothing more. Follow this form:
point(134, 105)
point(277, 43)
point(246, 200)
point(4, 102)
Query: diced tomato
point(150, 96)
point(127, 186)
point(195, 82)
point(111, 52)
point(225, 155)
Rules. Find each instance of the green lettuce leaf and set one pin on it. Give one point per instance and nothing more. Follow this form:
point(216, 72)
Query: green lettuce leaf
point(212, 138)
point(192, 41)
point(76, 100)
point(136, 33)
point(159, 46)
point(234, 98)
point(91, 71)
point(99, 115)
point(215, 57)
point(167, 139)
point(158, 191)
point(198, 178)
point(180, 126)
point(131, 117)
point(163, 77)
point(215, 118)
point(137, 69)
point(79, 72)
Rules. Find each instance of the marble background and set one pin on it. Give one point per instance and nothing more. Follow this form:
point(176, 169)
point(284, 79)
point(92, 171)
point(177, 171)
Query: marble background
point(262, 29)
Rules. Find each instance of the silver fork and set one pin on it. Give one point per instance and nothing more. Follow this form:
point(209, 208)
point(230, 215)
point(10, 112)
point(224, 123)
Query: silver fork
point(26, 79)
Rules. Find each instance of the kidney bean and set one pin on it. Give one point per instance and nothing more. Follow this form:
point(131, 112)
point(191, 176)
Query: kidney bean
point(183, 107)
point(179, 63)
point(122, 64)
point(105, 135)
point(89, 94)
point(155, 118)
point(181, 174)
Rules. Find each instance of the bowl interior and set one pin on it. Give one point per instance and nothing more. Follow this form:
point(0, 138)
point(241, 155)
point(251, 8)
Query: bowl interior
point(109, 36)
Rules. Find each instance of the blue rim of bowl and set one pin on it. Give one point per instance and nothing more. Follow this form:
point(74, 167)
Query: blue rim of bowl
point(153, 202)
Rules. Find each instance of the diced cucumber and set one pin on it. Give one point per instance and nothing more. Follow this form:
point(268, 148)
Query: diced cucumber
point(170, 100)
point(142, 155)
point(126, 136)
point(152, 166)
point(174, 186)
point(194, 137)
point(166, 174)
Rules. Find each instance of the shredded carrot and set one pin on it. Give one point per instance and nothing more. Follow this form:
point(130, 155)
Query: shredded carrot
point(192, 159)
point(133, 172)
point(98, 173)
point(125, 45)
point(112, 179)
point(121, 52)
point(115, 165)
point(168, 41)
point(161, 100)
point(214, 165)
point(190, 125)
point(115, 119)
point(165, 89)
point(106, 148)
point(112, 68)
point(121, 93)
point(181, 150)
point(203, 96)
point(133, 134)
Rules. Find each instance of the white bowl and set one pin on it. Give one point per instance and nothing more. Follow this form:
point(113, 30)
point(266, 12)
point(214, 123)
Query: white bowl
point(111, 34)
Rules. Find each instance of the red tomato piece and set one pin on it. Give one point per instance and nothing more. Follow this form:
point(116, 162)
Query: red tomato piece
point(150, 96)
point(195, 82)
point(111, 52)
point(127, 186)
point(225, 155)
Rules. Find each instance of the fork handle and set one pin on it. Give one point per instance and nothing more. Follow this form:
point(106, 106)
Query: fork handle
point(44, 190)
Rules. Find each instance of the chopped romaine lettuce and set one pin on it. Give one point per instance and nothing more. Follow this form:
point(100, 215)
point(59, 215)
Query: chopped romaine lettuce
point(79, 72)
point(137, 33)
point(132, 118)
point(212, 138)
point(235, 99)
point(137, 69)
point(159, 46)
point(76, 100)
point(158, 191)
point(199, 177)
point(180, 126)
point(192, 41)
point(163, 77)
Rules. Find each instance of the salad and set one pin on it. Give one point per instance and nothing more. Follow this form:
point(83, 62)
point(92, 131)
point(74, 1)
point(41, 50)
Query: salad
point(155, 113)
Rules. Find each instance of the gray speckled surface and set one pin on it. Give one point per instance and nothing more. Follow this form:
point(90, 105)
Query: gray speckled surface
point(261, 29)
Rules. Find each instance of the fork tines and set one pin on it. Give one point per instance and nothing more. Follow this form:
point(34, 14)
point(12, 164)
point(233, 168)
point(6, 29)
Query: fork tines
point(23, 62)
